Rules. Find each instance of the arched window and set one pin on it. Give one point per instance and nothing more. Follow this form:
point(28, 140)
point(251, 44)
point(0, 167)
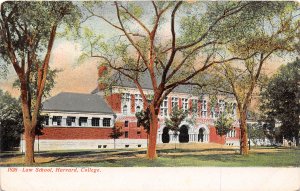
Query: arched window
point(125, 109)
point(138, 108)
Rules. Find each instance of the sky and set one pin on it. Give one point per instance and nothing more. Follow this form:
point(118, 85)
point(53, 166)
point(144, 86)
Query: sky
point(82, 77)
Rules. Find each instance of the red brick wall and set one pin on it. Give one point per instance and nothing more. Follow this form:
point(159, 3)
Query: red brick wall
point(180, 103)
point(214, 138)
point(132, 104)
point(114, 101)
point(75, 133)
point(132, 130)
point(170, 105)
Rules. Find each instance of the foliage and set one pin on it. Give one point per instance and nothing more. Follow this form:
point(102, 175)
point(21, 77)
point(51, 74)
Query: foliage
point(116, 132)
point(274, 31)
point(280, 100)
point(27, 34)
point(10, 121)
point(143, 119)
point(176, 118)
point(198, 36)
point(223, 124)
point(256, 132)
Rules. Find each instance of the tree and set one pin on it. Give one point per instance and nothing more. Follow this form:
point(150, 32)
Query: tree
point(10, 122)
point(143, 119)
point(27, 33)
point(280, 100)
point(256, 133)
point(275, 31)
point(223, 124)
point(141, 48)
point(116, 133)
point(176, 118)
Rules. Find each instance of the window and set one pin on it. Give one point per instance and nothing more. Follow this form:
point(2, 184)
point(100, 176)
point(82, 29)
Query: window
point(125, 102)
point(139, 133)
point(212, 113)
point(125, 109)
point(95, 122)
point(195, 106)
point(126, 124)
point(221, 106)
point(106, 122)
point(138, 109)
point(56, 120)
point(174, 102)
point(46, 120)
point(204, 108)
point(126, 134)
point(185, 104)
point(164, 107)
point(70, 121)
point(125, 97)
point(82, 121)
point(126, 146)
point(139, 145)
point(138, 102)
point(233, 109)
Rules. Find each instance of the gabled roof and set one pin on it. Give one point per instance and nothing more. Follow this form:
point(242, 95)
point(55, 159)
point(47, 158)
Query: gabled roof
point(118, 79)
point(77, 102)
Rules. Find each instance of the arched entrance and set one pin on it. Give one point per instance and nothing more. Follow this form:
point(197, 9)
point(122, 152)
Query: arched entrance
point(200, 135)
point(165, 135)
point(184, 134)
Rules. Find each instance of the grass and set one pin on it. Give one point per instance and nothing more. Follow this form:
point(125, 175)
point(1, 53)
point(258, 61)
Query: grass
point(198, 155)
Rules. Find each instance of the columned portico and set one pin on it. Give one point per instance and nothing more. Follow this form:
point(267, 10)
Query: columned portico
point(187, 133)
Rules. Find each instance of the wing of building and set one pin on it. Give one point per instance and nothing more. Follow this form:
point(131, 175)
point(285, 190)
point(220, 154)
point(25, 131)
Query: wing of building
point(85, 121)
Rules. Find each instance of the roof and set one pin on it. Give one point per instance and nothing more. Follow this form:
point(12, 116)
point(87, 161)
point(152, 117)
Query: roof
point(118, 79)
point(77, 102)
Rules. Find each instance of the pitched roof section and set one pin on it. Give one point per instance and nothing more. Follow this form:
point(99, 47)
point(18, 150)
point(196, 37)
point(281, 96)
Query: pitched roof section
point(118, 79)
point(77, 102)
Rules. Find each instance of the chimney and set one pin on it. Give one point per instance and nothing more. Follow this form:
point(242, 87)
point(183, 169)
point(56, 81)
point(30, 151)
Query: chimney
point(101, 73)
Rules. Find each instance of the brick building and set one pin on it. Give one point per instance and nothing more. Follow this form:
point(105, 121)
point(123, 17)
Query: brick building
point(84, 121)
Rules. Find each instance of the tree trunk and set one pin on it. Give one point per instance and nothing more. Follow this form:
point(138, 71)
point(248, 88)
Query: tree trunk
point(29, 145)
point(297, 139)
point(29, 127)
point(153, 134)
point(244, 138)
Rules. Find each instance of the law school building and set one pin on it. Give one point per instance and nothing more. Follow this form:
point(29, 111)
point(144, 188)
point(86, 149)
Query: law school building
point(85, 121)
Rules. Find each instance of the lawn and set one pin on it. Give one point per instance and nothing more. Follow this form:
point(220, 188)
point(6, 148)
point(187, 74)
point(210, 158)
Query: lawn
point(198, 155)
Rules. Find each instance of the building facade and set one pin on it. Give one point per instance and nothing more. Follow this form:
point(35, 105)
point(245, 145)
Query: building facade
point(85, 121)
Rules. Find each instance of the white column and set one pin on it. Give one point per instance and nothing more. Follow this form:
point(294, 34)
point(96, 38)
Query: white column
point(63, 121)
point(101, 122)
point(77, 121)
point(50, 121)
point(89, 122)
